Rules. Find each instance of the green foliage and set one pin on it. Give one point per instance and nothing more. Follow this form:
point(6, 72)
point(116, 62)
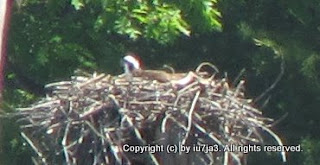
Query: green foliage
point(49, 39)
point(18, 98)
point(48, 53)
point(311, 151)
point(15, 151)
point(78, 4)
point(311, 67)
point(156, 20)
point(202, 15)
point(305, 12)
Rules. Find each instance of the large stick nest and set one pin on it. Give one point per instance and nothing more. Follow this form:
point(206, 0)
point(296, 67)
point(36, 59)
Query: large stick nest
point(91, 118)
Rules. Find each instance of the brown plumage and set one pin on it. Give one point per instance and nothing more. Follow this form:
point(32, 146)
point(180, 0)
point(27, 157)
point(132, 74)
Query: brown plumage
point(158, 75)
point(132, 67)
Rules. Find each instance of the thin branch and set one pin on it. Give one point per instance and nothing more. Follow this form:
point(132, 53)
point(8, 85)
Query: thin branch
point(276, 81)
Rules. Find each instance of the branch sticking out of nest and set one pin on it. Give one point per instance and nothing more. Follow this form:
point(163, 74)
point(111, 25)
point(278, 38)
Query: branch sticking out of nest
point(92, 119)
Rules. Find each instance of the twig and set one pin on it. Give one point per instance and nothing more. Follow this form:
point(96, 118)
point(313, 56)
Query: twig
point(194, 102)
point(276, 81)
point(29, 141)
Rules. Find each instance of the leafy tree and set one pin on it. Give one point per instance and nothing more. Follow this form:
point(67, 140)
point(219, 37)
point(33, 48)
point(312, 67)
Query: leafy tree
point(49, 39)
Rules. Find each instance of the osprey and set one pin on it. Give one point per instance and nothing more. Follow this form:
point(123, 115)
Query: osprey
point(133, 66)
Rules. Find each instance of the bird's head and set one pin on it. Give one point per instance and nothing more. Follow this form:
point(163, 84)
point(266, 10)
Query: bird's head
point(131, 62)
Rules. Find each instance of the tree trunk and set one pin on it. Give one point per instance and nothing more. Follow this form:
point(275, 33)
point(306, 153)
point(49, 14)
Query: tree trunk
point(5, 12)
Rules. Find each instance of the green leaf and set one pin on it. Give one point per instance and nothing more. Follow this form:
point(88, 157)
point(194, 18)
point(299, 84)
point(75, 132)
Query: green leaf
point(78, 4)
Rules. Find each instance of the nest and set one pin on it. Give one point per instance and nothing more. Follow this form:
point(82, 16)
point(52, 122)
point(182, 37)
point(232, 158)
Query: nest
point(103, 119)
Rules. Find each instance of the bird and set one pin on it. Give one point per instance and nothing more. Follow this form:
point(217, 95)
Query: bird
point(133, 66)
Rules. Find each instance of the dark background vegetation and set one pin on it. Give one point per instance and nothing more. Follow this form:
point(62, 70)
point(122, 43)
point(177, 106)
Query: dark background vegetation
point(49, 39)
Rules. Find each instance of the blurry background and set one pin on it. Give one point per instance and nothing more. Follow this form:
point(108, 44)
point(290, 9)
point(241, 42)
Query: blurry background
point(49, 39)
